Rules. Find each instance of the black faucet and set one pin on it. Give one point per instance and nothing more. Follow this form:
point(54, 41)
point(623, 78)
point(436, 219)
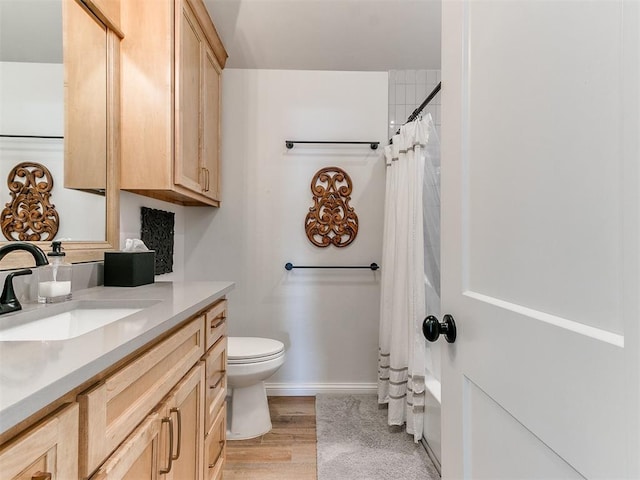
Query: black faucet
point(8, 300)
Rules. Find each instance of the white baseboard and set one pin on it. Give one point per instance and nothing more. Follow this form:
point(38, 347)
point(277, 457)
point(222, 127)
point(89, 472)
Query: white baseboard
point(310, 389)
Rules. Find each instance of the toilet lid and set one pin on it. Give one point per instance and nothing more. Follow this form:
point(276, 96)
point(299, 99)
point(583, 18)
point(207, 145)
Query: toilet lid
point(252, 348)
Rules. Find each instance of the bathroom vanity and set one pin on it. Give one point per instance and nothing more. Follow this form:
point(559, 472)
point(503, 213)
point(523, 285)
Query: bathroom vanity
point(140, 396)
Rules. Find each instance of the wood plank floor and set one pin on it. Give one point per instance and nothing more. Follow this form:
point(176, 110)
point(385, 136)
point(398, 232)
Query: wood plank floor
point(287, 452)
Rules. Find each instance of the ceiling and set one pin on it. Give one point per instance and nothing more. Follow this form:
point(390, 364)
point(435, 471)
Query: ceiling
point(31, 31)
point(360, 35)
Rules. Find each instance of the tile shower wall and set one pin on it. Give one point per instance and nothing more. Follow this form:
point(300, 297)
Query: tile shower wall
point(407, 90)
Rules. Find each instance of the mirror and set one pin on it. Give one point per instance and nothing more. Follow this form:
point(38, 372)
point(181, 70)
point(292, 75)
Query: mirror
point(43, 99)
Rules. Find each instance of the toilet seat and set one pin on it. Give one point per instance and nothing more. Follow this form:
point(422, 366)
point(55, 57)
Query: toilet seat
point(245, 350)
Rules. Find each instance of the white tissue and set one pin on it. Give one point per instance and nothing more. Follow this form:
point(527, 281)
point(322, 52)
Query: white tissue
point(134, 245)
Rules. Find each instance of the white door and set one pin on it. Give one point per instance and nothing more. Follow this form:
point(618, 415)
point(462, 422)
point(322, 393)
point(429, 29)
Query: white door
point(540, 220)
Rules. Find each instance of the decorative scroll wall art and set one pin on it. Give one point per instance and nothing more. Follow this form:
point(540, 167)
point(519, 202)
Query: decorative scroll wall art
point(30, 216)
point(331, 220)
point(157, 234)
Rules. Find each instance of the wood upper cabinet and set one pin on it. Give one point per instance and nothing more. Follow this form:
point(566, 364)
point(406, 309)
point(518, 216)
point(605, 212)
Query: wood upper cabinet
point(86, 62)
point(172, 59)
point(49, 451)
point(211, 124)
point(107, 10)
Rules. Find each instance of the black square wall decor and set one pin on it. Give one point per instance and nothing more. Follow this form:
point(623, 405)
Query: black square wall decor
point(157, 234)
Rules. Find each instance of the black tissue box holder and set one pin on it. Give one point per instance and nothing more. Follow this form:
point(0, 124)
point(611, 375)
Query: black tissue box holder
point(129, 269)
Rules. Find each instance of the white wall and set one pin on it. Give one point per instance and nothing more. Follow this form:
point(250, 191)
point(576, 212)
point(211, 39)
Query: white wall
point(130, 224)
point(32, 98)
point(328, 319)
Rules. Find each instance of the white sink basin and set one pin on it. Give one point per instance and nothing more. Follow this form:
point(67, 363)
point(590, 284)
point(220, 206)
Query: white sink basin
point(67, 320)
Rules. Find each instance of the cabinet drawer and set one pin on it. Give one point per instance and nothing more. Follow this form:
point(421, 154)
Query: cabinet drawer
point(216, 322)
point(214, 445)
point(110, 410)
point(216, 380)
point(51, 447)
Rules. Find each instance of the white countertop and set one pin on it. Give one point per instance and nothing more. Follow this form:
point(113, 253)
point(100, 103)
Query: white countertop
point(34, 374)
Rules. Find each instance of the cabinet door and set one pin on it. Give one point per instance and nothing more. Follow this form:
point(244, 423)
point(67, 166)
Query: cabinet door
point(211, 125)
point(137, 456)
point(188, 102)
point(185, 408)
point(85, 82)
point(48, 451)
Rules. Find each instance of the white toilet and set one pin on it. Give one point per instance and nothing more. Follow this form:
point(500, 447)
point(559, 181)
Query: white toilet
point(250, 361)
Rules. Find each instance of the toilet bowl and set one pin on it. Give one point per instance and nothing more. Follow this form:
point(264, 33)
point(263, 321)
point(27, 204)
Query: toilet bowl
point(250, 361)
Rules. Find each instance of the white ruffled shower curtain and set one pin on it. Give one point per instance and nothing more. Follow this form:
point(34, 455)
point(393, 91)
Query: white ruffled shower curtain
point(413, 163)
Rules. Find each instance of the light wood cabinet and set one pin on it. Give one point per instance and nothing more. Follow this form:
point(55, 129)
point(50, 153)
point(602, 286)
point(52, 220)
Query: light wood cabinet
point(215, 323)
point(215, 418)
point(137, 457)
point(215, 446)
point(216, 380)
point(210, 155)
point(107, 10)
point(172, 59)
point(173, 380)
point(48, 451)
point(85, 71)
point(185, 409)
point(169, 442)
point(159, 414)
point(111, 408)
point(92, 96)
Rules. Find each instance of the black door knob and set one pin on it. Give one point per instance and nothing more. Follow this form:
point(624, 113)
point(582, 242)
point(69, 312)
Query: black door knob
point(432, 328)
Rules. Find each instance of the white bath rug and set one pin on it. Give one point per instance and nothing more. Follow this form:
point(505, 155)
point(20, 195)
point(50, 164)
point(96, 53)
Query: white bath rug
point(354, 443)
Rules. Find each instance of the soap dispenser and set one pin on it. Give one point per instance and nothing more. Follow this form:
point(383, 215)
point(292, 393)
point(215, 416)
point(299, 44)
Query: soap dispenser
point(54, 280)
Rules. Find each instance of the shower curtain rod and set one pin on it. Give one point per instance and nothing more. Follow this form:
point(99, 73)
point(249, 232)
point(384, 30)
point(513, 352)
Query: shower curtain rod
point(418, 110)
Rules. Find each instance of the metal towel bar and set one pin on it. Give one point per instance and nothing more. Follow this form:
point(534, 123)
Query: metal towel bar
point(290, 143)
point(373, 266)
